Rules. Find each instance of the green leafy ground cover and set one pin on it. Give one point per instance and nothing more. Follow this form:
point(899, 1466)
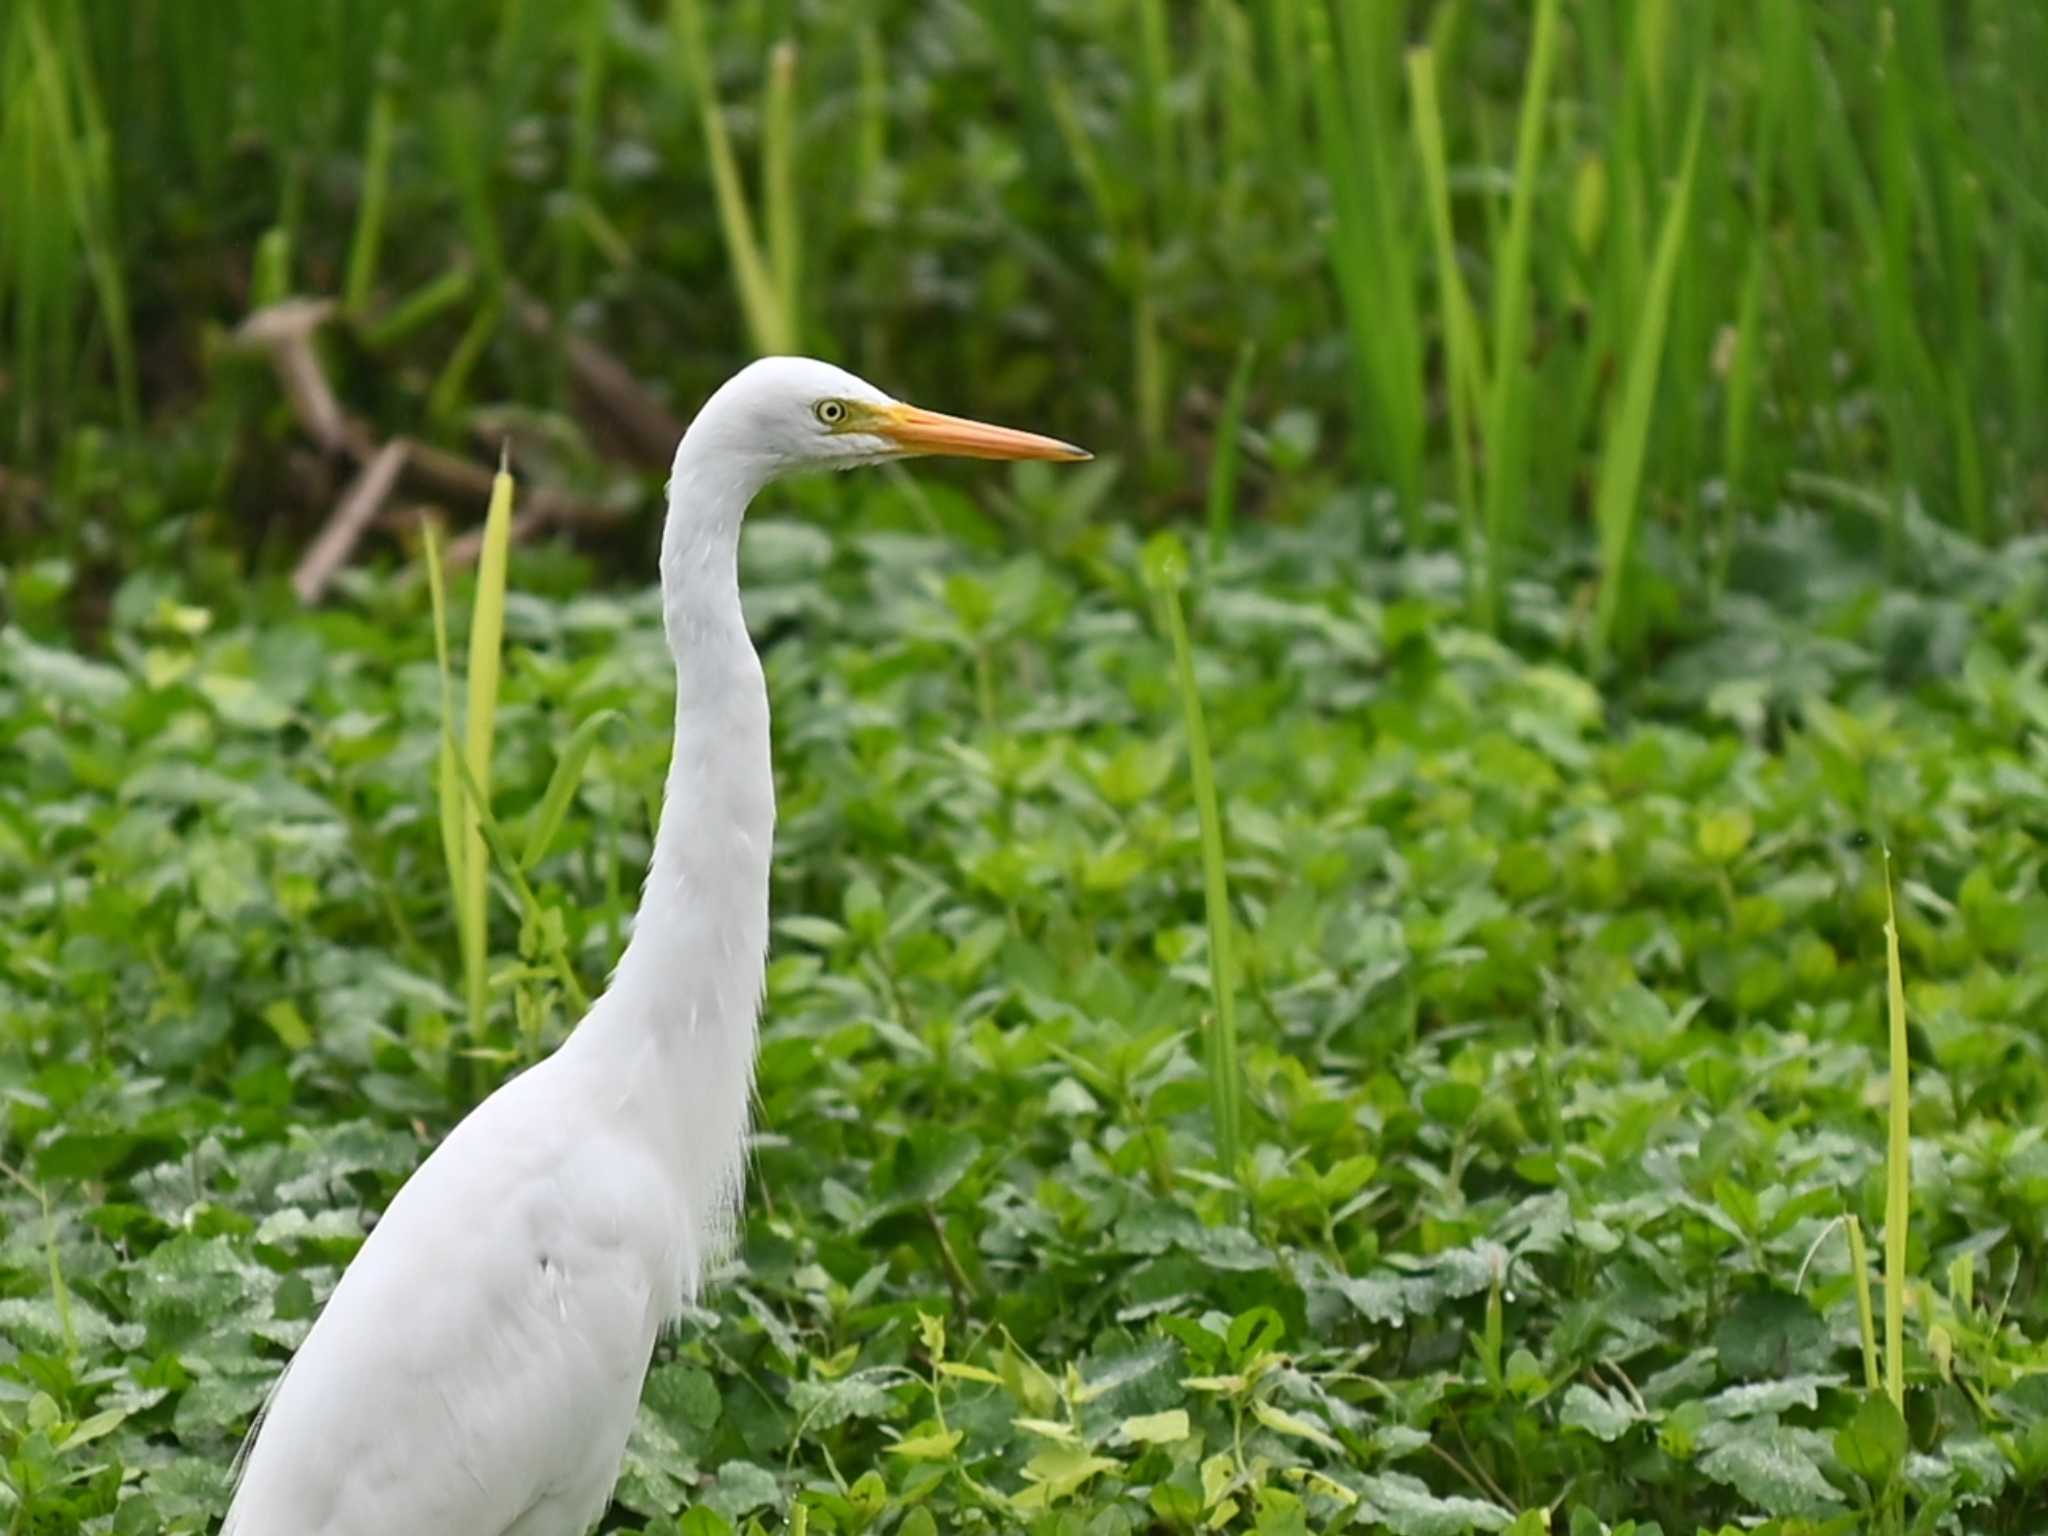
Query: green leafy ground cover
point(1562, 1018)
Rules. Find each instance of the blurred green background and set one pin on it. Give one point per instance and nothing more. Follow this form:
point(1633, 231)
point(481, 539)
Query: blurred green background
point(1613, 279)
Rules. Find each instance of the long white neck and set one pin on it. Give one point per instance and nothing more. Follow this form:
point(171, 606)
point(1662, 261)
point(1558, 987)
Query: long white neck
point(678, 1021)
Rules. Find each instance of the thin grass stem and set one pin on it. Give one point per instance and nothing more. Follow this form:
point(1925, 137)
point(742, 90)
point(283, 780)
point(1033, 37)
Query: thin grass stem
point(1897, 1158)
point(1166, 571)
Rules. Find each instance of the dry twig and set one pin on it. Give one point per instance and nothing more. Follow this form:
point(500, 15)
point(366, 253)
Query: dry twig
point(357, 509)
point(618, 405)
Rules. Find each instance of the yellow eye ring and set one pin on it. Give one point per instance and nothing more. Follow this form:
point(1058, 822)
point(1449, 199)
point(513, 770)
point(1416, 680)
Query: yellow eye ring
point(831, 412)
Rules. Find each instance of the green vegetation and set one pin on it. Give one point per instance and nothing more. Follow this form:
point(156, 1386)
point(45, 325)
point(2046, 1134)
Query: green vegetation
point(1514, 289)
point(1563, 1050)
point(1501, 996)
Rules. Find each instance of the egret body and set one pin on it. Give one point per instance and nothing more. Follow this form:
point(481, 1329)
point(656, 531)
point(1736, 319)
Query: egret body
point(477, 1369)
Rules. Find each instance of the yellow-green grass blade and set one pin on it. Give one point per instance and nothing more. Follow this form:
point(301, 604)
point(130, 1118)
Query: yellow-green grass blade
point(1166, 573)
point(1897, 1160)
point(766, 322)
point(1866, 1317)
point(553, 809)
point(1467, 368)
point(1618, 501)
point(447, 786)
point(1506, 420)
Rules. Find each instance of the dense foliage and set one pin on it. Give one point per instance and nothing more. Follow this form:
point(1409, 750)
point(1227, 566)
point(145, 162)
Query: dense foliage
point(1563, 1038)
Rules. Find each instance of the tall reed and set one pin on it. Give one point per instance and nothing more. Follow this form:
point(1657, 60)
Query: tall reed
point(1166, 574)
point(57, 237)
point(1898, 1160)
point(463, 776)
point(1369, 254)
point(1860, 293)
point(1511, 391)
point(755, 274)
point(1618, 502)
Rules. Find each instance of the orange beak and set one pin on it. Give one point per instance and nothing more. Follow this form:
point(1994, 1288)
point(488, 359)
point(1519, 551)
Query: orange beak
point(916, 430)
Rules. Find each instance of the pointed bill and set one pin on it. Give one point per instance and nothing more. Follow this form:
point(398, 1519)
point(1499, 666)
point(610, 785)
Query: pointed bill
point(916, 430)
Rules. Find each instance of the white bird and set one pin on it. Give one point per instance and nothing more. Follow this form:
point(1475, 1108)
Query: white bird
point(477, 1369)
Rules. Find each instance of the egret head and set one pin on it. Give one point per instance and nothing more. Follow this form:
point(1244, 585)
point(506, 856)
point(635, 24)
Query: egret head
point(786, 414)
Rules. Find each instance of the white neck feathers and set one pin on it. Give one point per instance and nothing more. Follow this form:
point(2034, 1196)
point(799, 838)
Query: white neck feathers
point(678, 1021)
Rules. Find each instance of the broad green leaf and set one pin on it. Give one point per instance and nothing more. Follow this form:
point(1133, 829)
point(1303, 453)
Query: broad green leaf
point(1057, 1472)
point(1725, 834)
point(931, 1445)
point(1156, 1428)
point(1280, 1421)
point(1600, 1412)
point(1047, 1429)
point(1406, 1507)
point(964, 1372)
point(1773, 1470)
point(1873, 1444)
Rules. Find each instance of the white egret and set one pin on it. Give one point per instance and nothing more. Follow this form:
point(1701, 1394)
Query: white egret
point(477, 1369)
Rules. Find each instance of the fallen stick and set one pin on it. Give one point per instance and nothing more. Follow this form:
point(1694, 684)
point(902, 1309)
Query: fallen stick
point(616, 402)
point(357, 509)
point(284, 333)
point(15, 486)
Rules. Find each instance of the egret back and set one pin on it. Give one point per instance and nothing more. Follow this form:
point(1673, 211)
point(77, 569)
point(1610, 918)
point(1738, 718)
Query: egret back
point(482, 1357)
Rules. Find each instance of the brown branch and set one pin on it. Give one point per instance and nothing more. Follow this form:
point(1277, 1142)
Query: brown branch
point(357, 509)
point(615, 402)
point(17, 487)
point(284, 332)
point(432, 471)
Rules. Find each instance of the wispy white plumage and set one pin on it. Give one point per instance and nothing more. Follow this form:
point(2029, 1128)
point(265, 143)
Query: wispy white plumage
point(476, 1371)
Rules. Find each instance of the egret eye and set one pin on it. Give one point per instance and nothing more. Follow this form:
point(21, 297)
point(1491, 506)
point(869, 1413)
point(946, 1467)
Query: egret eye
point(830, 412)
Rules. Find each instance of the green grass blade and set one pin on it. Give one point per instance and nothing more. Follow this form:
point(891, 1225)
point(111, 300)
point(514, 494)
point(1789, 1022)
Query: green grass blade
point(447, 784)
point(1155, 81)
point(60, 1289)
point(1245, 129)
point(1148, 355)
point(1866, 1317)
point(1466, 381)
point(554, 801)
point(75, 140)
point(572, 229)
point(1506, 422)
point(1105, 192)
point(422, 306)
point(480, 714)
point(1223, 458)
point(873, 138)
point(463, 130)
point(1618, 501)
point(451, 385)
point(499, 846)
point(752, 278)
point(1370, 266)
point(782, 214)
point(1166, 570)
point(1739, 419)
point(1897, 1158)
point(369, 231)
